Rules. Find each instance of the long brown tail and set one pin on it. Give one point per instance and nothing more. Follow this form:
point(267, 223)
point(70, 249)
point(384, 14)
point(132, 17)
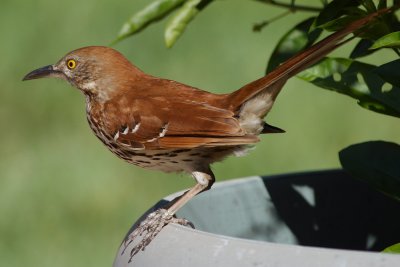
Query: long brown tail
point(271, 84)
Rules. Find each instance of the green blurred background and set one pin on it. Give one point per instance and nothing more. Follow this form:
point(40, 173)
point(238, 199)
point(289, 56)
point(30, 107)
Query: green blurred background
point(65, 199)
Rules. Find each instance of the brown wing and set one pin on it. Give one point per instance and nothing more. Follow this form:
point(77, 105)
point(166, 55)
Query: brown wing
point(161, 123)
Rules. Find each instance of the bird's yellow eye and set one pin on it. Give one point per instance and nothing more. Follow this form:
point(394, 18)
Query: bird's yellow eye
point(71, 64)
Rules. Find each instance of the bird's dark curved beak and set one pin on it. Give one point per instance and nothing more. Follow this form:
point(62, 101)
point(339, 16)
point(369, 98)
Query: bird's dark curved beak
point(46, 71)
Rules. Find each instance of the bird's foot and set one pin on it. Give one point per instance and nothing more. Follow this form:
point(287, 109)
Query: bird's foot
point(150, 227)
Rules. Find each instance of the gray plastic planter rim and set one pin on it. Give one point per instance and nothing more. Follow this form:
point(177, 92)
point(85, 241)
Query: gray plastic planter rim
point(181, 246)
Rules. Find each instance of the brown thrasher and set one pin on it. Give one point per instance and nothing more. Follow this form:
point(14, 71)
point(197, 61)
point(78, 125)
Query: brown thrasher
point(164, 125)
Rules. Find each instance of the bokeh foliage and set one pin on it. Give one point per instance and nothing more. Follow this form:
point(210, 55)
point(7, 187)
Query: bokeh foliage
point(67, 201)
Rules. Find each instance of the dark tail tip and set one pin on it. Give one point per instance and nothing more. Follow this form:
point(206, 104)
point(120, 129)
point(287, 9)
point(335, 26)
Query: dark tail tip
point(271, 129)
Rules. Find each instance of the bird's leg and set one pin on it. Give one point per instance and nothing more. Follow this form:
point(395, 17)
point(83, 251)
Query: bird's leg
point(156, 220)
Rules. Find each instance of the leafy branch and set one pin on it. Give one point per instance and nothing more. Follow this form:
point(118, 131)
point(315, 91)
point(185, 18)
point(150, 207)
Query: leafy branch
point(292, 6)
point(184, 12)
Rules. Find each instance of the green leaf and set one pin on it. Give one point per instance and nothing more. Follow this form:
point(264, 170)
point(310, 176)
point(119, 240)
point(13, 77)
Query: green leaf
point(334, 10)
point(375, 29)
point(362, 49)
point(393, 249)
point(390, 72)
point(295, 40)
point(375, 162)
point(357, 80)
point(382, 4)
point(178, 23)
point(343, 21)
point(151, 13)
point(369, 5)
point(389, 40)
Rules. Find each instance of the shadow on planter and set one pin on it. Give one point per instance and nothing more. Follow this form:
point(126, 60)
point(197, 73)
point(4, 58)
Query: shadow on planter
point(319, 209)
point(345, 213)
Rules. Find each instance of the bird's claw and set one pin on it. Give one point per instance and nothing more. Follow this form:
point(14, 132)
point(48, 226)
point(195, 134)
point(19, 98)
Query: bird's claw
point(149, 229)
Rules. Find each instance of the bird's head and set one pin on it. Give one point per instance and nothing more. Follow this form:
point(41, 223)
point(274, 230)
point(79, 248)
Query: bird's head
point(95, 70)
